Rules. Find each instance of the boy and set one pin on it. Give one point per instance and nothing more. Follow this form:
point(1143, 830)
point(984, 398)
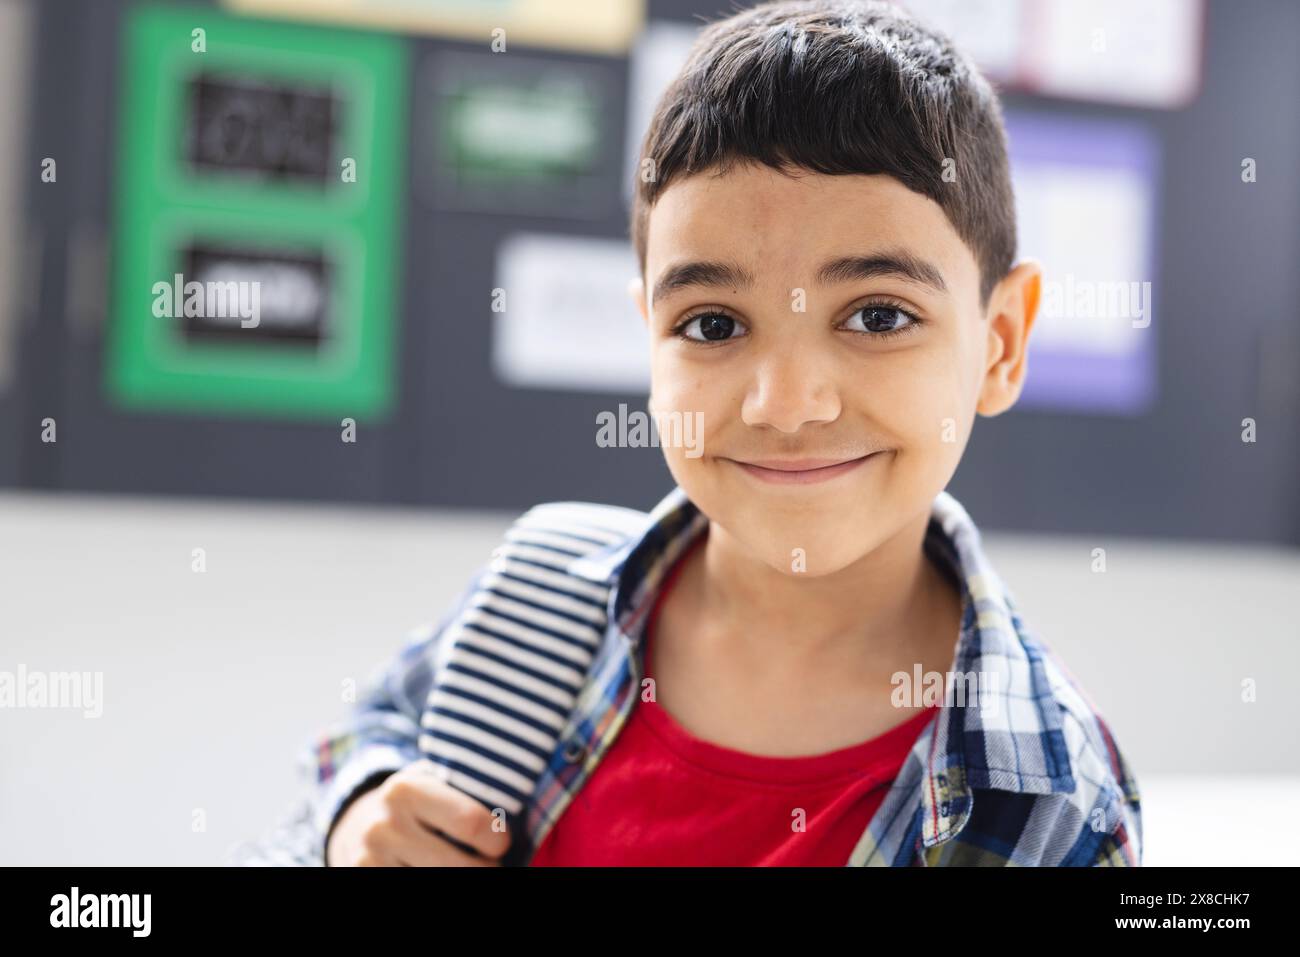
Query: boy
point(825, 228)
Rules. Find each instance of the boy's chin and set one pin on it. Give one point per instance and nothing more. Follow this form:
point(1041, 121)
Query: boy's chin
point(800, 551)
point(818, 563)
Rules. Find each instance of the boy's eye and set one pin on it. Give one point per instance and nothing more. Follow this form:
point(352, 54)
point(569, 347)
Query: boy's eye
point(708, 327)
point(882, 319)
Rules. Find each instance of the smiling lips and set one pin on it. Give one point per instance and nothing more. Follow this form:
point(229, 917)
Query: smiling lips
point(801, 471)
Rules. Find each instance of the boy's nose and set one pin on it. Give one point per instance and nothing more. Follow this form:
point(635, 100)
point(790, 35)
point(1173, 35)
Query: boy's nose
point(790, 390)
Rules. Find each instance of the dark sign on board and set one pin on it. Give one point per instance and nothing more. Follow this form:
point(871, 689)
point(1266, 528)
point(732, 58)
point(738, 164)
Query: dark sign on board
point(244, 295)
point(275, 131)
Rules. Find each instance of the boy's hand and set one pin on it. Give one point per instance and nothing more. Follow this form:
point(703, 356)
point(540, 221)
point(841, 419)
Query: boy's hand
point(393, 825)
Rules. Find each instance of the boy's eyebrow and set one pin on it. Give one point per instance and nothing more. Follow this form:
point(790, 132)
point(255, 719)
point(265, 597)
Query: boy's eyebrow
point(842, 269)
point(716, 274)
point(889, 263)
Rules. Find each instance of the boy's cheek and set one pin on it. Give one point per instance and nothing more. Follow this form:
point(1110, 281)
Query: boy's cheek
point(699, 411)
point(930, 405)
point(676, 387)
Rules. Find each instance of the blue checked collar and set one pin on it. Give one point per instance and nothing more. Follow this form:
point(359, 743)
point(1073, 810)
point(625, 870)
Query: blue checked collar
point(1015, 745)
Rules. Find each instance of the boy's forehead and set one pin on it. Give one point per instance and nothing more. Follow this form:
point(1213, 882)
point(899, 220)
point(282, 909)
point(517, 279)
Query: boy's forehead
point(788, 225)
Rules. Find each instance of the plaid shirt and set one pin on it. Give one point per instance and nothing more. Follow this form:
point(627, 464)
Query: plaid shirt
point(1030, 776)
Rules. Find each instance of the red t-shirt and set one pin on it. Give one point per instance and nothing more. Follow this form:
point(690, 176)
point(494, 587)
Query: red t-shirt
point(663, 797)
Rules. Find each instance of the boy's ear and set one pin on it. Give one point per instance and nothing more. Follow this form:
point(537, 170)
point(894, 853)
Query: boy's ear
point(636, 289)
point(1013, 306)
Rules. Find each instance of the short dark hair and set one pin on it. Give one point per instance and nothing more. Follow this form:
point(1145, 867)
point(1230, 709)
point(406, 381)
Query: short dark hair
point(838, 86)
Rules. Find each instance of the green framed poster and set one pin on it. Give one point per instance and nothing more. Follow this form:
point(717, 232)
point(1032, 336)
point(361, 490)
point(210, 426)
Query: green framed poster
point(510, 135)
point(257, 222)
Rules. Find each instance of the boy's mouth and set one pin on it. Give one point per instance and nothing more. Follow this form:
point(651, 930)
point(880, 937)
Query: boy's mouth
point(800, 471)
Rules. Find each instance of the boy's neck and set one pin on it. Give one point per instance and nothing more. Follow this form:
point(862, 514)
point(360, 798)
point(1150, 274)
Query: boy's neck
point(888, 610)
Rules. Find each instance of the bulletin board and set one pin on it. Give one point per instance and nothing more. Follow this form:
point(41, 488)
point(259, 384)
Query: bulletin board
point(483, 410)
point(257, 220)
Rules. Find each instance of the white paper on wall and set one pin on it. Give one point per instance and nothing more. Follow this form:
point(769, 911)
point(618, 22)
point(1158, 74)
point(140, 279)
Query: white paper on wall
point(1114, 51)
point(569, 322)
point(1087, 225)
point(990, 32)
point(1117, 51)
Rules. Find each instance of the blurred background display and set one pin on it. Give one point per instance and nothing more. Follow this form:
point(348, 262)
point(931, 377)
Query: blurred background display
point(437, 228)
point(257, 217)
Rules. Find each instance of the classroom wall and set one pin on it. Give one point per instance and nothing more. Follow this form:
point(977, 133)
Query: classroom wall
point(1226, 334)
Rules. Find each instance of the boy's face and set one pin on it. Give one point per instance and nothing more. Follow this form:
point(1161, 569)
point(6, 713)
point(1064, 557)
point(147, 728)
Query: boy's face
point(832, 318)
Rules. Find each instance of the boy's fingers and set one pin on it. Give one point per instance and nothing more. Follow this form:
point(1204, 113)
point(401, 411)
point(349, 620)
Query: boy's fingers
point(423, 848)
point(437, 806)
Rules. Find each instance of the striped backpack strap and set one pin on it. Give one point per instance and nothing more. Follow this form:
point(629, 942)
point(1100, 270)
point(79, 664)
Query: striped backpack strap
point(512, 664)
